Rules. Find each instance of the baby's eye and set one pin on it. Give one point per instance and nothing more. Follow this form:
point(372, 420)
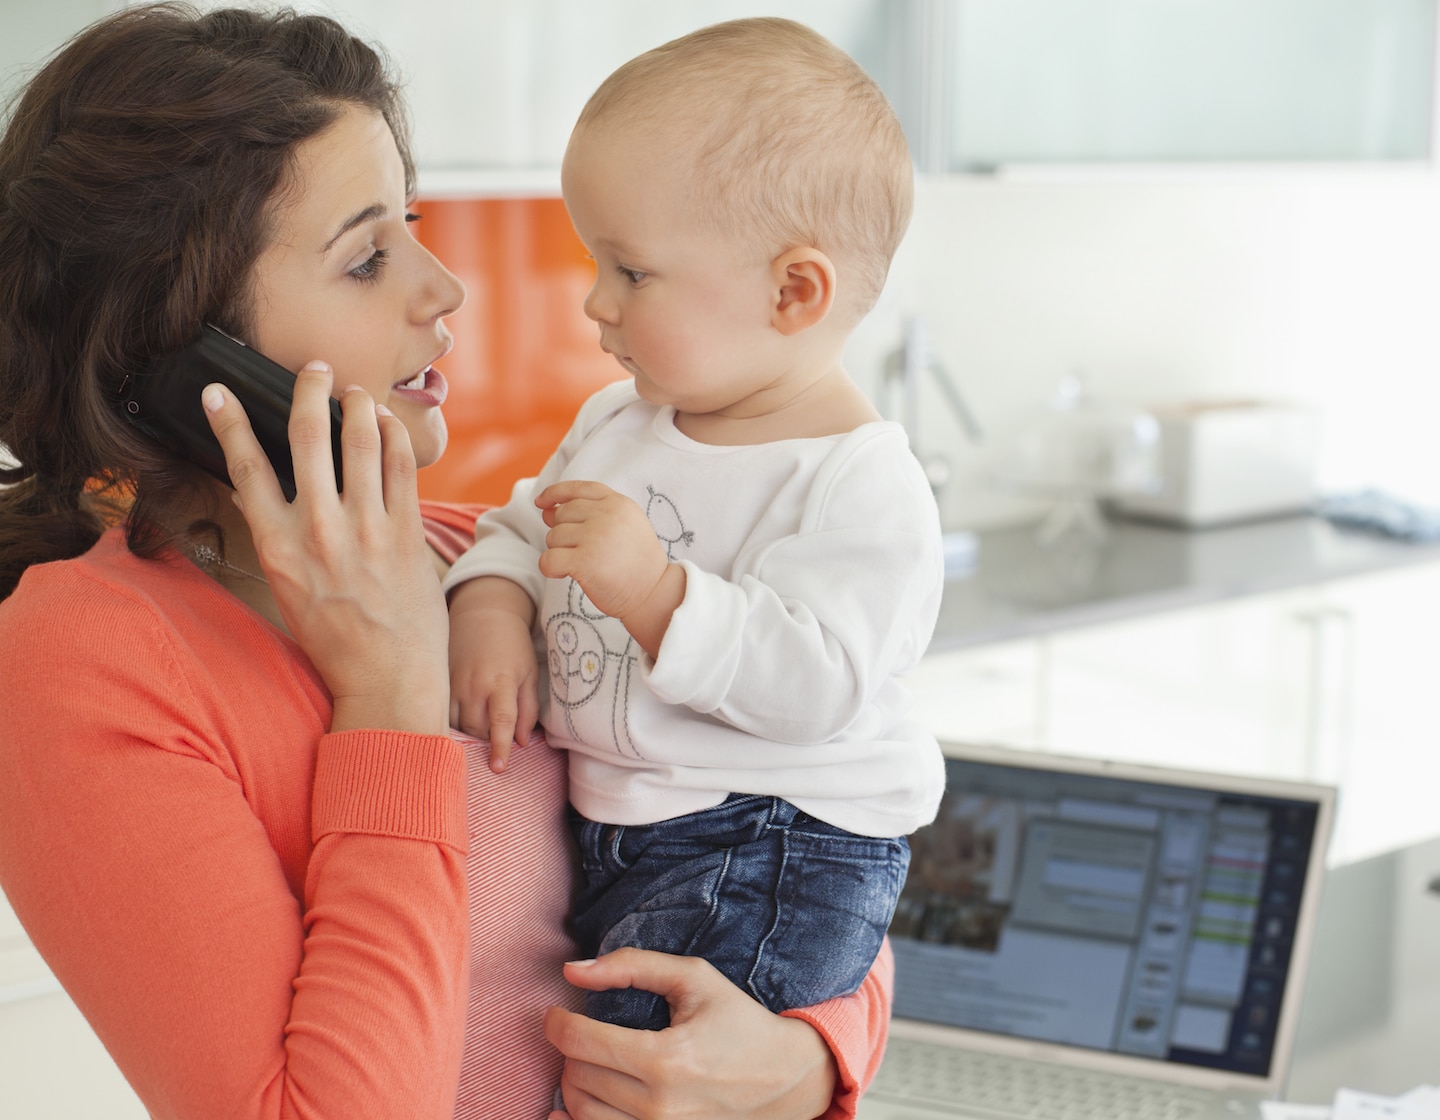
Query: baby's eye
point(634, 275)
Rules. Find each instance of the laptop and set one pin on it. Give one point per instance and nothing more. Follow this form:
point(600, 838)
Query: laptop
point(1079, 937)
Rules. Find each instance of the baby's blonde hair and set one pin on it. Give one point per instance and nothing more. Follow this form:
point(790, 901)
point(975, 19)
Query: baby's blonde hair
point(794, 144)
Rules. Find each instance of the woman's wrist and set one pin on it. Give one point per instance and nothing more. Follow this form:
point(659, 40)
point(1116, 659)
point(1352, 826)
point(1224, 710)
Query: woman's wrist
point(424, 711)
point(818, 1075)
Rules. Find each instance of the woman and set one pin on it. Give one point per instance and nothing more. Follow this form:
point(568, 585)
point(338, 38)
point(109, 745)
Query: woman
point(231, 816)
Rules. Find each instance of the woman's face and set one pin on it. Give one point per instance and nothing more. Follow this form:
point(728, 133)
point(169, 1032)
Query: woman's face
point(342, 279)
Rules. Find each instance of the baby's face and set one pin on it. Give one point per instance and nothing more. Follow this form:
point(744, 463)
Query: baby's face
point(684, 311)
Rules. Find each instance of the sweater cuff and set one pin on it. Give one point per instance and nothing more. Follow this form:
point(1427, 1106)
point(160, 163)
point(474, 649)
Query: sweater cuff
point(390, 783)
point(855, 1029)
point(847, 1086)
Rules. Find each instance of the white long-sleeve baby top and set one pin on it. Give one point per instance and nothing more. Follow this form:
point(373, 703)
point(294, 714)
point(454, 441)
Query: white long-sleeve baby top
point(814, 572)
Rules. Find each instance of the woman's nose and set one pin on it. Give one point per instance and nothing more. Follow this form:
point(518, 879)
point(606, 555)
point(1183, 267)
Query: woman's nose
point(444, 291)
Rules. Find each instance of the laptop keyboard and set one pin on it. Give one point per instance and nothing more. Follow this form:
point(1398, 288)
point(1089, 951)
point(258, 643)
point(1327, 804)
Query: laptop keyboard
point(924, 1074)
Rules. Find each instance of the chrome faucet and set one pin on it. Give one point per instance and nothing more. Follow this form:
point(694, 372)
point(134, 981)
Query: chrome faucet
point(903, 372)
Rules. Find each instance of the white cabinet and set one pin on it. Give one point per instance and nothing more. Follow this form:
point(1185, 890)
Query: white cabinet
point(991, 694)
point(1052, 81)
point(1387, 754)
point(22, 972)
point(51, 1063)
point(1330, 683)
point(1225, 686)
point(501, 86)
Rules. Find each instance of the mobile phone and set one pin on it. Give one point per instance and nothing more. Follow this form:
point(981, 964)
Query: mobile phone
point(163, 401)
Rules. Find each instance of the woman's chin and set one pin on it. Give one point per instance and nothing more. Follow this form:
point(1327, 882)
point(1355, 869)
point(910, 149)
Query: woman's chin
point(428, 439)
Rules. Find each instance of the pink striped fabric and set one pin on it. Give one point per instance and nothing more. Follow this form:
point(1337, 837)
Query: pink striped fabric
point(520, 874)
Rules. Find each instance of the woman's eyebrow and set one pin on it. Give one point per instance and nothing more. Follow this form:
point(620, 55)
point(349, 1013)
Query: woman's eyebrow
point(370, 213)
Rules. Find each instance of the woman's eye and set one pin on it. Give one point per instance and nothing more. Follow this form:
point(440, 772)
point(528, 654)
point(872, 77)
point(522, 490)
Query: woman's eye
point(370, 268)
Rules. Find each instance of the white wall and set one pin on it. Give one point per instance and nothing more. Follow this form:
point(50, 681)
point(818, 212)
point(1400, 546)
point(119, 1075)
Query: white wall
point(1322, 285)
point(29, 32)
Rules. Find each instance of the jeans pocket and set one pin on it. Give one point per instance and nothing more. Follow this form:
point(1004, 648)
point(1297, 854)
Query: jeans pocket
point(834, 899)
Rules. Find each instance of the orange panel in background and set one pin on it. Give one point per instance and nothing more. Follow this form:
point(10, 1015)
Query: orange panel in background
point(525, 356)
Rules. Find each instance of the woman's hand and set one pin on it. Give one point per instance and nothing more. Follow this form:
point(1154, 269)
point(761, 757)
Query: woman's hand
point(723, 1055)
point(351, 573)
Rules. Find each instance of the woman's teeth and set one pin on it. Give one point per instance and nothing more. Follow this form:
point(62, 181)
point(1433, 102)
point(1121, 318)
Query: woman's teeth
point(416, 382)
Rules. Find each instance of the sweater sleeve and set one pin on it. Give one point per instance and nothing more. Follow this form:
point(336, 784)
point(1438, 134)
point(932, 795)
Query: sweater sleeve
point(855, 1028)
point(800, 642)
point(166, 871)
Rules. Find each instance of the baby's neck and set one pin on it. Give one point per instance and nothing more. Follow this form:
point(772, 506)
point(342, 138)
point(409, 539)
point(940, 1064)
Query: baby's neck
point(833, 405)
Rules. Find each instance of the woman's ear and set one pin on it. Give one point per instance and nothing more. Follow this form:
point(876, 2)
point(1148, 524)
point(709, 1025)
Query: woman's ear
point(803, 282)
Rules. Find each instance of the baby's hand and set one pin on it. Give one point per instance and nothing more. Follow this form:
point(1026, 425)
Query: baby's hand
point(494, 692)
point(604, 542)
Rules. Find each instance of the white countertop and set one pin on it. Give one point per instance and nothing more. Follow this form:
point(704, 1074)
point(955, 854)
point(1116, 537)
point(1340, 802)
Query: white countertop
point(1020, 588)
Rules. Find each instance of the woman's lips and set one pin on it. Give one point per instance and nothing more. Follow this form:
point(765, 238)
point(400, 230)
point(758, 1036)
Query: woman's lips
point(428, 388)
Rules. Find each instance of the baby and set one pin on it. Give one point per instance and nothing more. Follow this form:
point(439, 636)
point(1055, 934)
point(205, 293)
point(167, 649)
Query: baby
point(731, 560)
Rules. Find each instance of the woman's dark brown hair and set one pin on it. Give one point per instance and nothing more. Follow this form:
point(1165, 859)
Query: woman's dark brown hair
point(135, 175)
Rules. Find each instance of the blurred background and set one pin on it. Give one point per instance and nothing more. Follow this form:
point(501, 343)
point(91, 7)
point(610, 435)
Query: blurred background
point(1175, 200)
point(1181, 255)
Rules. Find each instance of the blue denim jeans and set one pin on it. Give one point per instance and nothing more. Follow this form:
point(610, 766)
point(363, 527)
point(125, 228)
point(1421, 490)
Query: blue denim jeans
point(791, 909)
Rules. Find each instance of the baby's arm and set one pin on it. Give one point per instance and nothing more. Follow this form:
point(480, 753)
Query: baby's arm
point(808, 627)
point(604, 542)
point(494, 691)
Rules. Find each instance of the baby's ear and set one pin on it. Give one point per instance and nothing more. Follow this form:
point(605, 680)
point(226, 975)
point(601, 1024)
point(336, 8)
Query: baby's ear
point(803, 286)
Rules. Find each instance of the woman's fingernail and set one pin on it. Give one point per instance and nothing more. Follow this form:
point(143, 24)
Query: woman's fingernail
point(382, 410)
point(582, 964)
point(212, 398)
point(318, 366)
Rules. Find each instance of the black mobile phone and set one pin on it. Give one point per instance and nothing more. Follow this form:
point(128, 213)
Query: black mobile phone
point(164, 402)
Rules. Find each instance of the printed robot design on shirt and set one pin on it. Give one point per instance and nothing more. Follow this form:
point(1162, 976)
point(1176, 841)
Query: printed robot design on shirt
point(593, 657)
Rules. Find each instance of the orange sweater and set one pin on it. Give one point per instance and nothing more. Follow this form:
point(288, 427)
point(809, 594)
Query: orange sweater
point(167, 780)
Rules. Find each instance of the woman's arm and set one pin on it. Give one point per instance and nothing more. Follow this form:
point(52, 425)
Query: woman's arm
point(278, 912)
point(156, 831)
point(723, 1055)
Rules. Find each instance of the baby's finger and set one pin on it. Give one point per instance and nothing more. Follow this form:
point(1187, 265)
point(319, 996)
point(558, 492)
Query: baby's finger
point(500, 747)
point(569, 490)
point(470, 718)
point(558, 563)
point(568, 534)
point(502, 728)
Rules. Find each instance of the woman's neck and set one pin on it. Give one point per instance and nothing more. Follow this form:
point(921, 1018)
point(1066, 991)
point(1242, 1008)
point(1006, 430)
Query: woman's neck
point(231, 561)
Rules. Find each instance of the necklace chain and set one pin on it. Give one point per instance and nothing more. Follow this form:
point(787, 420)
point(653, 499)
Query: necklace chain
point(207, 556)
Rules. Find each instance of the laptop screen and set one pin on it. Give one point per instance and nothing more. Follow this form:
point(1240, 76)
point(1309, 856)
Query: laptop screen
point(1137, 917)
